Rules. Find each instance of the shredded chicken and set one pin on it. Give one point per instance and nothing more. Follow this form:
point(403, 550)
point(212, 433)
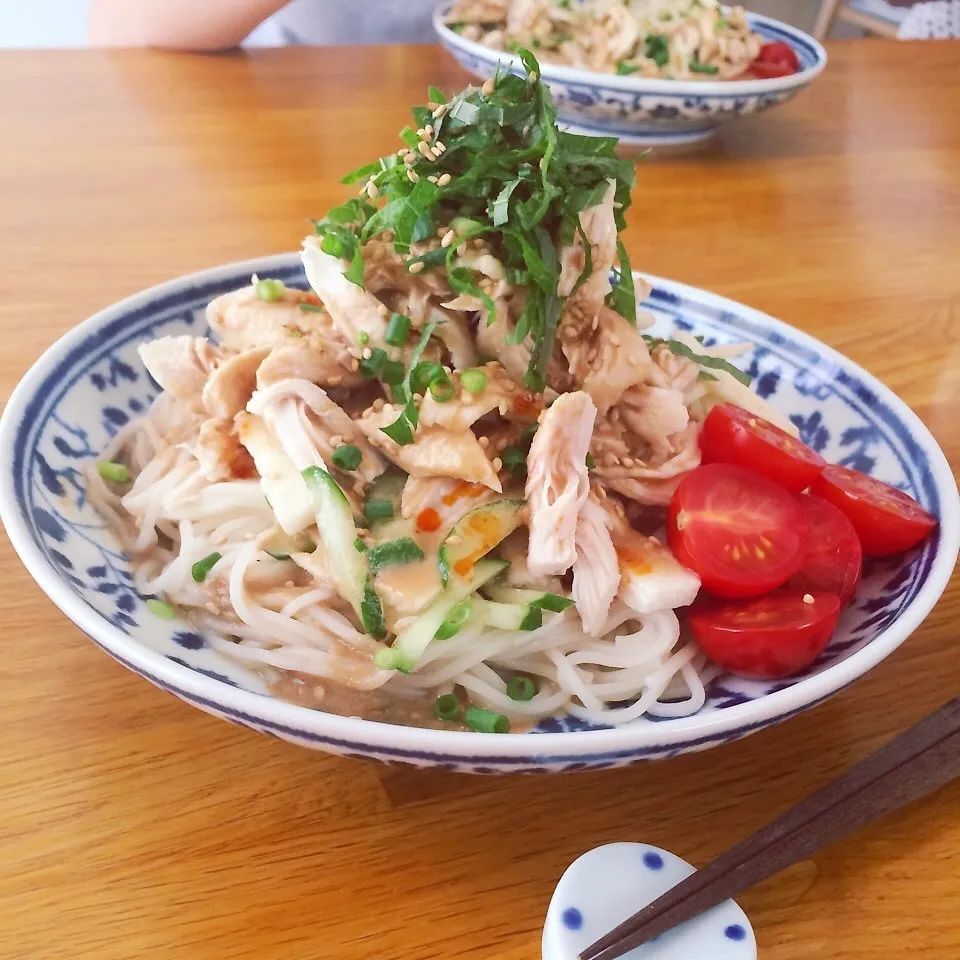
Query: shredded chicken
point(434, 451)
point(231, 384)
point(354, 310)
point(500, 393)
point(181, 365)
point(220, 453)
point(557, 484)
point(328, 365)
point(242, 321)
point(310, 427)
point(596, 570)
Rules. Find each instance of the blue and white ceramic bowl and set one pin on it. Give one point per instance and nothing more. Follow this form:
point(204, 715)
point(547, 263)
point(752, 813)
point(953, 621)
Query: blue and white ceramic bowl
point(91, 382)
point(649, 112)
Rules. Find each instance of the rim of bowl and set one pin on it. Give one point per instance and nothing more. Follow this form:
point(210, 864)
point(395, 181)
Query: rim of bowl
point(373, 734)
point(633, 84)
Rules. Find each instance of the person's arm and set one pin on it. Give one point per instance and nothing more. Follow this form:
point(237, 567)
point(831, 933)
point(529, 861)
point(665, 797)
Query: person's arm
point(199, 25)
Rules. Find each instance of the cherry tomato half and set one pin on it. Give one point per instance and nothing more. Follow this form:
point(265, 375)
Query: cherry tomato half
point(767, 637)
point(833, 561)
point(731, 434)
point(740, 533)
point(887, 521)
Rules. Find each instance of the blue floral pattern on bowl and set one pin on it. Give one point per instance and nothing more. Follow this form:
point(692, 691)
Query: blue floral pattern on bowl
point(650, 112)
point(91, 383)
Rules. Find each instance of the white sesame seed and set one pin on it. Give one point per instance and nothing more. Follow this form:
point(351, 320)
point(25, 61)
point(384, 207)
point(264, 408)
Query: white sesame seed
point(615, 340)
point(424, 148)
point(354, 365)
point(415, 267)
point(432, 178)
point(378, 405)
point(335, 380)
point(484, 442)
point(497, 464)
point(383, 310)
point(440, 111)
point(454, 541)
point(534, 77)
point(445, 178)
point(461, 250)
point(372, 189)
point(412, 175)
point(410, 158)
point(488, 87)
point(421, 133)
point(808, 598)
point(367, 353)
point(440, 147)
point(448, 238)
point(336, 440)
point(428, 130)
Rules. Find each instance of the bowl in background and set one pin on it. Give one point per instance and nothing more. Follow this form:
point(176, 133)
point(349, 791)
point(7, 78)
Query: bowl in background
point(645, 112)
point(91, 382)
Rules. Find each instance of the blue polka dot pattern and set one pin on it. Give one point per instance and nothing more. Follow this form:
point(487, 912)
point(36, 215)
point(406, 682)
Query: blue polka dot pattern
point(572, 918)
point(734, 932)
point(653, 860)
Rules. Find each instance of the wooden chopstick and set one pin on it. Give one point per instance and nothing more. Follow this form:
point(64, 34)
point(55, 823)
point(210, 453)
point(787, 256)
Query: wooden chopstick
point(916, 763)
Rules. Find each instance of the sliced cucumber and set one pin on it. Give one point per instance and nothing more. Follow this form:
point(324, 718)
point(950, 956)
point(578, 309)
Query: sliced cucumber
point(410, 644)
point(511, 616)
point(280, 480)
point(504, 593)
point(394, 553)
point(475, 534)
point(387, 488)
point(339, 535)
point(280, 545)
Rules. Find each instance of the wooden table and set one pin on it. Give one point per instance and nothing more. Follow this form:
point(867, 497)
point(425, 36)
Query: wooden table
point(132, 826)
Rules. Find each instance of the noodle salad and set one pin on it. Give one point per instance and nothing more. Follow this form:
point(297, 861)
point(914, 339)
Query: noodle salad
point(455, 482)
point(663, 39)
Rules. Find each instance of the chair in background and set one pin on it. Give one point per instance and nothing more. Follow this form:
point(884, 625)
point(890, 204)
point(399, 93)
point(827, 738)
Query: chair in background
point(861, 13)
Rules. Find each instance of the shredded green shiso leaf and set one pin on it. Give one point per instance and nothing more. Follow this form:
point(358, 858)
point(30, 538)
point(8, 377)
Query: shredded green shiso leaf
point(507, 174)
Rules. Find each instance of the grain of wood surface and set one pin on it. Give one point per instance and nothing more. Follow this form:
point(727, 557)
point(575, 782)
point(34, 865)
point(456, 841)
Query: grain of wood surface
point(133, 826)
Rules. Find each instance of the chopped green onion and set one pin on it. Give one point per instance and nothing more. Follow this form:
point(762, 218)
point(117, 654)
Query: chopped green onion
point(423, 374)
point(270, 290)
point(114, 472)
point(514, 459)
point(310, 308)
point(447, 708)
point(455, 620)
point(161, 609)
point(386, 658)
point(625, 69)
point(332, 245)
point(590, 461)
point(378, 510)
point(486, 721)
point(202, 567)
point(473, 381)
point(723, 23)
point(521, 688)
point(372, 365)
point(553, 602)
point(697, 67)
point(359, 545)
point(399, 431)
point(363, 338)
point(398, 329)
point(657, 48)
point(442, 389)
point(392, 373)
point(347, 456)
point(394, 553)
